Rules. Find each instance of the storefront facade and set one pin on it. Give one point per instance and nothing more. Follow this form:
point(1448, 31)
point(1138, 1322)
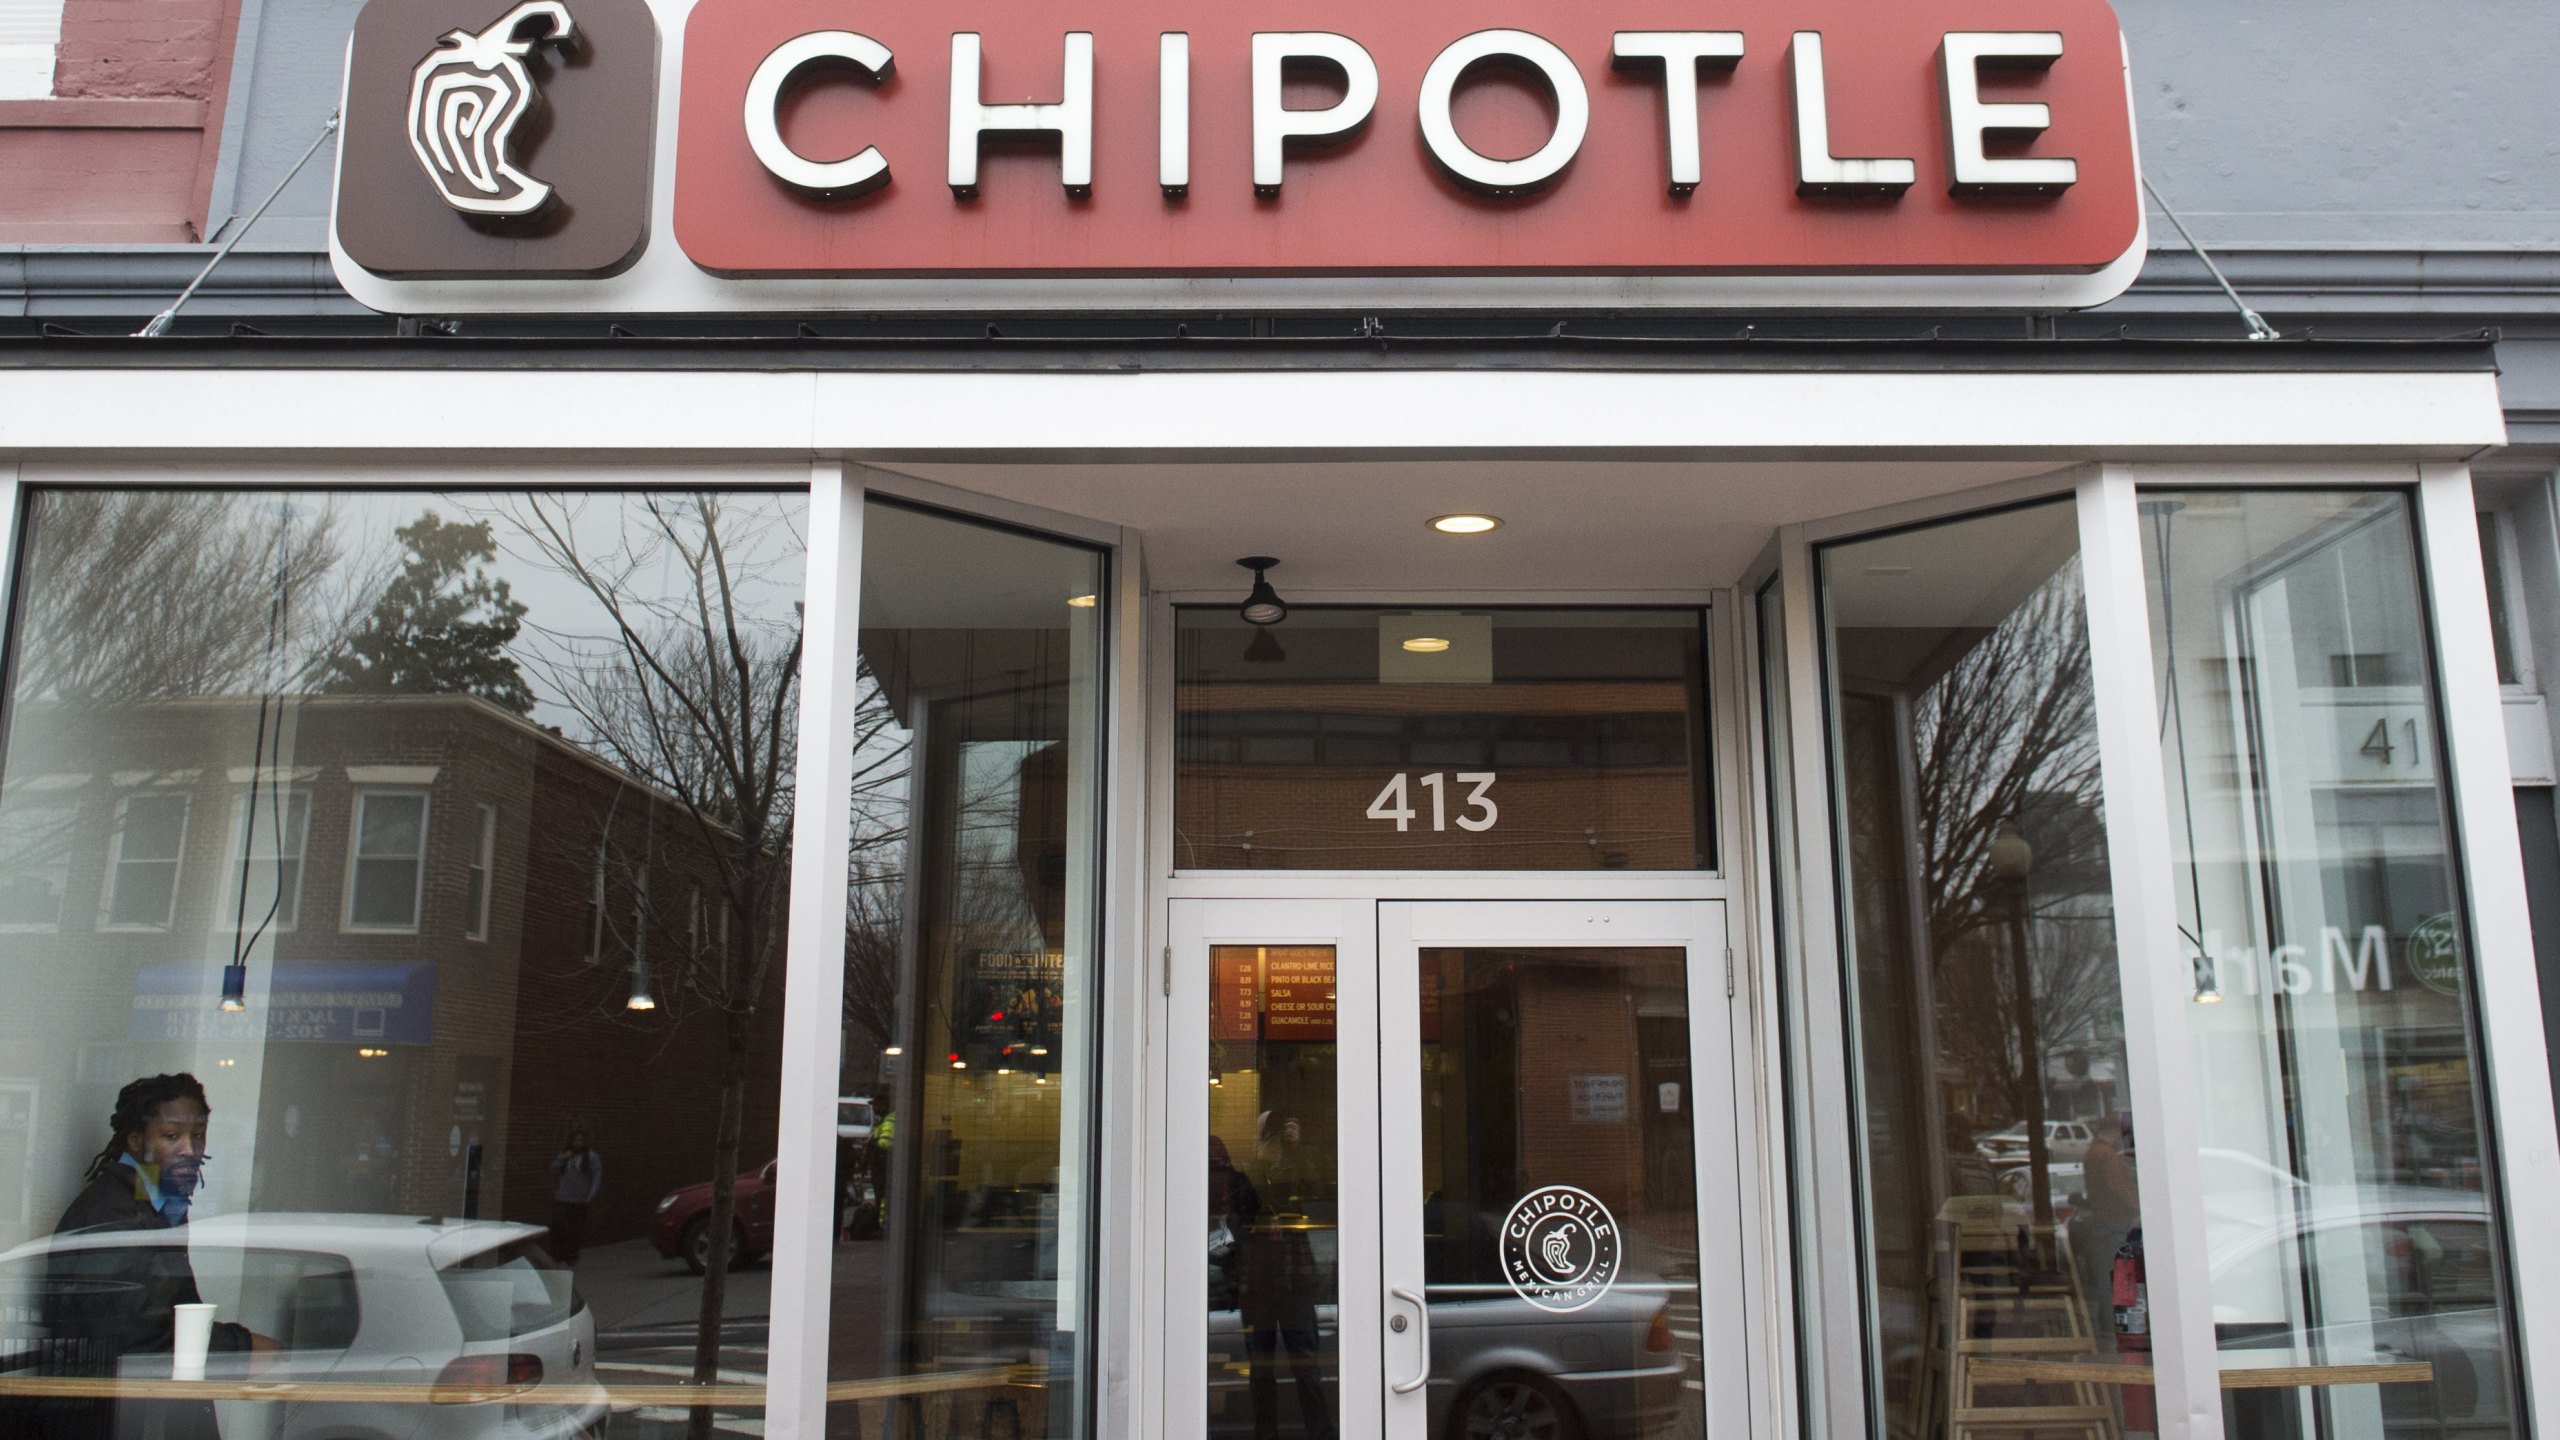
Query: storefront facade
point(1630, 881)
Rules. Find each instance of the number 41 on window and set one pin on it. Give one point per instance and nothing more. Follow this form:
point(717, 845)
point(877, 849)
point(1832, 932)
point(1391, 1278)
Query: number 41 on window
point(1396, 802)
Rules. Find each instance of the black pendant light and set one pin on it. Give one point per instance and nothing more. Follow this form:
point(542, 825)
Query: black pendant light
point(1263, 605)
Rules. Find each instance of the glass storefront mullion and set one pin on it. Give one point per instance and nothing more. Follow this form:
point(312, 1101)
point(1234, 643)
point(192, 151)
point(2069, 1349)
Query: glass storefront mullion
point(2515, 1065)
point(1830, 1298)
point(2156, 996)
point(813, 988)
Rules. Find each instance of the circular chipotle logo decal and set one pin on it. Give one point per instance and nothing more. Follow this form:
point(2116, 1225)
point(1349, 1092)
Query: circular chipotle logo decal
point(1560, 1248)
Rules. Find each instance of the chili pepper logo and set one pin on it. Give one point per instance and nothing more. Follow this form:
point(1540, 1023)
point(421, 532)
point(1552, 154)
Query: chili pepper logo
point(465, 100)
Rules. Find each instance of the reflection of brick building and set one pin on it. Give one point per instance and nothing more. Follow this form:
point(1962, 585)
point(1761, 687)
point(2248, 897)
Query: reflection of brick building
point(427, 854)
point(1558, 1076)
point(1593, 776)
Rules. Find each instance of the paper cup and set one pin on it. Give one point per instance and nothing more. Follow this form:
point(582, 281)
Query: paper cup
point(194, 1336)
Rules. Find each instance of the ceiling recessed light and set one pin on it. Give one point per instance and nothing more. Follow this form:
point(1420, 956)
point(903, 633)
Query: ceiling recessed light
point(1084, 602)
point(1426, 644)
point(1465, 524)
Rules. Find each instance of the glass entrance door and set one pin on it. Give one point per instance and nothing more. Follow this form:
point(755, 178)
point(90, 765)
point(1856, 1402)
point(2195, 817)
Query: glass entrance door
point(1463, 1171)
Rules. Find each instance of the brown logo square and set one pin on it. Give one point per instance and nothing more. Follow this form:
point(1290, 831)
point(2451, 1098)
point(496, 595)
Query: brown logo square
point(503, 138)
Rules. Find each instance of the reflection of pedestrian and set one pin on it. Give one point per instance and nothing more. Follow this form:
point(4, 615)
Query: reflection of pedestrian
point(2110, 1209)
point(884, 1134)
point(1276, 1279)
point(580, 1173)
point(1280, 1153)
point(105, 1303)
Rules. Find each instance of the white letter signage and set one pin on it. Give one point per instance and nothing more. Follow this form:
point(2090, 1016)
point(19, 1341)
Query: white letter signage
point(1818, 171)
point(1071, 119)
point(857, 174)
point(1970, 118)
point(1275, 125)
point(1682, 56)
point(1520, 50)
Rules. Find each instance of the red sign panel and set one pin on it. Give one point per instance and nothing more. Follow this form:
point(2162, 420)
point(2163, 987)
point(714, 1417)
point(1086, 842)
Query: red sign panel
point(1860, 161)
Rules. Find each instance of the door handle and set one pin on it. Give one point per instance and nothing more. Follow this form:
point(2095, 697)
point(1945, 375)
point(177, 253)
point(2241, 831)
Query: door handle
point(1424, 1312)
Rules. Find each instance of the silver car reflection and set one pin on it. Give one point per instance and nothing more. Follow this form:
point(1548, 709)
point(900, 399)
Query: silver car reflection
point(480, 1330)
point(1501, 1368)
point(2431, 1281)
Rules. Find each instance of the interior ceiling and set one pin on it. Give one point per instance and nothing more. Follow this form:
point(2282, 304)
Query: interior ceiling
point(1360, 526)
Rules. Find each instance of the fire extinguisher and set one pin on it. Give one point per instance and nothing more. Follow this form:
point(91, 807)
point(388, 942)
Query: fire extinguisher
point(2131, 1301)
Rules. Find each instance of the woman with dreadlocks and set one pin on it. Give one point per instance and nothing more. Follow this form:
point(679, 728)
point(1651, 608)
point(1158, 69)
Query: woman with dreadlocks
point(108, 1301)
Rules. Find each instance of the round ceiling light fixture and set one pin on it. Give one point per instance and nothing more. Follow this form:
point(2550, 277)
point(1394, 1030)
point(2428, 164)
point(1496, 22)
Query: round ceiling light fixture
point(1262, 605)
point(1466, 524)
point(1084, 602)
point(1427, 645)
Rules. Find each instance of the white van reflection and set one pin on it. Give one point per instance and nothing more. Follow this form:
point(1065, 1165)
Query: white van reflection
point(458, 1329)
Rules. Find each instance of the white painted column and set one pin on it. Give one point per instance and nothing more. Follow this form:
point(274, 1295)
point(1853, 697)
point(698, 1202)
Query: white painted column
point(813, 982)
point(2158, 983)
point(2517, 1062)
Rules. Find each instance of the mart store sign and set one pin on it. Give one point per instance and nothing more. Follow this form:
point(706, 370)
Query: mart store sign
point(563, 155)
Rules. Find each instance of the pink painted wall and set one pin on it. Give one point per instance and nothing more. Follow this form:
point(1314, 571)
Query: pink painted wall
point(125, 151)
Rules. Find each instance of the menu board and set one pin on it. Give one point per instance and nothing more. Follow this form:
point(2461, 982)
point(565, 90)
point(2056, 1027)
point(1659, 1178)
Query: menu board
point(1260, 992)
point(1235, 992)
point(1297, 994)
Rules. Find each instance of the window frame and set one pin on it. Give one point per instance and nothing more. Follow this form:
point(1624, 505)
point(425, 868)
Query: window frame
point(482, 868)
point(69, 806)
point(237, 857)
point(116, 861)
point(364, 794)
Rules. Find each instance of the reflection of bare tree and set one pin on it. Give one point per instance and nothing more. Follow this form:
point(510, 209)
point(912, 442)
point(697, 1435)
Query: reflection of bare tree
point(2007, 735)
point(694, 693)
point(876, 868)
point(212, 592)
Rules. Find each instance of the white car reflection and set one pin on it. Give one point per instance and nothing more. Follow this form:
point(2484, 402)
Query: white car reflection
point(476, 1331)
point(2423, 1259)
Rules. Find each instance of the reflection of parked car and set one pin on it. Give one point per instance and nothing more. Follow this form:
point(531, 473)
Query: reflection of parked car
point(474, 1313)
point(1500, 1367)
point(2429, 1279)
point(2063, 1140)
point(682, 1227)
point(2065, 1181)
point(854, 1118)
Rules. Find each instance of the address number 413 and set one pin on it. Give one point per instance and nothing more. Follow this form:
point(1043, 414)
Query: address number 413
point(1479, 812)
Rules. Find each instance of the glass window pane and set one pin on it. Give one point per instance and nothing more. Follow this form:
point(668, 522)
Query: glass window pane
point(1560, 1192)
point(2349, 1216)
point(2002, 1227)
point(1274, 1219)
point(1353, 739)
point(393, 825)
point(150, 836)
point(386, 1149)
point(36, 836)
point(962, 1272)
point(263, 887)
point(386, 893)
point(475, 899)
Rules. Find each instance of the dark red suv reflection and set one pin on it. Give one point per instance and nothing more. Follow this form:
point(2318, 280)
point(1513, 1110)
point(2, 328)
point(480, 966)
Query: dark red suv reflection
point(682, 1228)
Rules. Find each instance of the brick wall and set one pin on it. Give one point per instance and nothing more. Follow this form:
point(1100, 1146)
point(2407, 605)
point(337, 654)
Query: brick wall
point(126, 150)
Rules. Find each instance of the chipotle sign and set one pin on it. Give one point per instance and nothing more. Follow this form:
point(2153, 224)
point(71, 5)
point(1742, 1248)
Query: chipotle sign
point(809, 153)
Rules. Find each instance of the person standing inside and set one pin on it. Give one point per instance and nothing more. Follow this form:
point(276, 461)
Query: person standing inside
point(578, 1173)
point(105, 1303)
point(2111, 1210)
